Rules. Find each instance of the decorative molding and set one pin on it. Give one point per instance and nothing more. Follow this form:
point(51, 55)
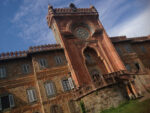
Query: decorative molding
point(55, 99)
point(26, 108)
point(52, 72)
point(85, 42)
point(28, 80)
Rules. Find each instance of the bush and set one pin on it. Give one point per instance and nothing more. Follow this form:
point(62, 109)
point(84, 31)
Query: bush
point(82, 107)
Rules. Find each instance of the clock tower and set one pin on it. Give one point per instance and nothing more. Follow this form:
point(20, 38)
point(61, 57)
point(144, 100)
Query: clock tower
point(88, 49)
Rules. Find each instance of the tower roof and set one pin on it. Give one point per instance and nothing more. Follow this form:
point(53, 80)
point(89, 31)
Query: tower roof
point(72, 10)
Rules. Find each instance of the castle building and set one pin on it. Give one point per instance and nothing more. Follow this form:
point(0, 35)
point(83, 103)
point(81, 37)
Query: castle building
point(85, 70)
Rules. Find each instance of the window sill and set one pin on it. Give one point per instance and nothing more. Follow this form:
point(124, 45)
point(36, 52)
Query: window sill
point(34, 102)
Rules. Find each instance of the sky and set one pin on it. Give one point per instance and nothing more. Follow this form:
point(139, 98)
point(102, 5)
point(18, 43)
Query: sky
point(23, 22)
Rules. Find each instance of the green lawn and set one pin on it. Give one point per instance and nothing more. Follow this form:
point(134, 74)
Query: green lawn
point(131, 107)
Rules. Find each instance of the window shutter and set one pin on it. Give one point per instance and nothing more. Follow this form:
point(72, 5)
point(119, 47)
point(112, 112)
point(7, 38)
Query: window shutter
point(2, 72)
point(46, 63)
point(71, 83)
point(40, 63)
point(31, 95)
point(25, 68)
point(47, 86)
point(34, 95)
point(0, 105)
point(68, 85)
point(58, 59)
point(50, 89)
point(64, 85)
point(11, 101)
point(43, 63)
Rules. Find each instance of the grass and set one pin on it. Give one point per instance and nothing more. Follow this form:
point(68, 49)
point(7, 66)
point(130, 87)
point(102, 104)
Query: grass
point(131, 107)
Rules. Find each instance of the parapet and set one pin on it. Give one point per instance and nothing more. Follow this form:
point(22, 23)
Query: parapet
point(44, 48)
point(21, 54)
point(72, 10)
point(15, 54)
point(118, 39)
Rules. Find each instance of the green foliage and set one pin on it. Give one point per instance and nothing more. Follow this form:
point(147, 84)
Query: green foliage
point(82, 107)
point(130, 107)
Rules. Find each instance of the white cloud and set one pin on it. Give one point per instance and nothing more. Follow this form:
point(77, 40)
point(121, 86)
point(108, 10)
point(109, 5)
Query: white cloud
point(31, 19)
point(138, 25)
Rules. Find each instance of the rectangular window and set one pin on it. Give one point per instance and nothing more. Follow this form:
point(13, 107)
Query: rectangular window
point(66, 85)
point(118, 50)
point(50, 88)
point(2, 72)
point(6, 101)
point(43, 63)
point(128, 48)
point(31, 95)
point(25, 68)
point(142, 49)
point(128, 67)
point(58, 60)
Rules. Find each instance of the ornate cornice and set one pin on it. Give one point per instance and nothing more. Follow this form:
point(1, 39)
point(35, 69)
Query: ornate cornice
point(71, 11)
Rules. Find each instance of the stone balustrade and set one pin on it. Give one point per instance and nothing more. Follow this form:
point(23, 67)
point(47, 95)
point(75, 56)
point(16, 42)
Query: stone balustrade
point(108, 79)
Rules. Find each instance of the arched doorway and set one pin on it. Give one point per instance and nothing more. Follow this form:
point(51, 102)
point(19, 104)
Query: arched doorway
point(94, 65)
point(72, 106)
point(56, 109)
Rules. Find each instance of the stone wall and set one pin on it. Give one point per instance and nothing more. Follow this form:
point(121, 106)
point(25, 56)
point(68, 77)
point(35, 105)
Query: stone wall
point(103, 99)
point(143, 83)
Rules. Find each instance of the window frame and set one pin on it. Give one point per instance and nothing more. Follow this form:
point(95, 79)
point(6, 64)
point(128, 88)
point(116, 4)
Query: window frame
point(66, 84)
point(143, 49)
point(128, 48)
point(128, 67)
point(11, 103)
point(43, 63)
point(58, 60)
point(34, 94)
point(118, 50)
point(54, 89)
point(3, 73)
point(27, 68)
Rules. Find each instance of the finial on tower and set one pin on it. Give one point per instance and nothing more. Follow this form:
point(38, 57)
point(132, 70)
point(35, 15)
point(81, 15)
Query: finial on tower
point(92, 7)
point(73, 7)
point(50, 8)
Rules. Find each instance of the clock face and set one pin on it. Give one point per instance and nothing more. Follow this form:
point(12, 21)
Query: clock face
point(81, 33)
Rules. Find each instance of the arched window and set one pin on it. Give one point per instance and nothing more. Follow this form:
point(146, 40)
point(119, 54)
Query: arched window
point(56, 109)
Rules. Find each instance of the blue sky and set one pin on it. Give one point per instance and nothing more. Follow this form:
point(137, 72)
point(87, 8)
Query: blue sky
point(23, 22)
